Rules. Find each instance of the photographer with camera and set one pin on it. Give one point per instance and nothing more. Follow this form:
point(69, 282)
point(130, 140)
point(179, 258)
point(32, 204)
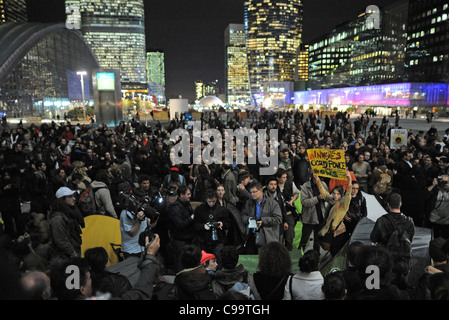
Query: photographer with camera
point(262, 217)
point(135, 224)
point(211, 222)
point(439, 216)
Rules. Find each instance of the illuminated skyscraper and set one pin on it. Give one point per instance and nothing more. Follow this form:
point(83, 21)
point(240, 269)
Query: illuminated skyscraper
point(273, 34)
point(236, 66)
point(116, 32)
point(302, 72)
point(156, 74)
point(13, 11)
point(427, 55)
point(200, 89)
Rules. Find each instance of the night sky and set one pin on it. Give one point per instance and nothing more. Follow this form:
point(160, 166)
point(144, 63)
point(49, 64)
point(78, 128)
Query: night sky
point(191, 33)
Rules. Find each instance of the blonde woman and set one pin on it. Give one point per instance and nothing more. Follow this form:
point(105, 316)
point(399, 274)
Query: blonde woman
point(79, 167)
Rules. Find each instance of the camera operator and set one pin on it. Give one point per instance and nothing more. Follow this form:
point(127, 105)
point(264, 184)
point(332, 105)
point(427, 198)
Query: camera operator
point(439, 216)
point(134, 220)
point(211, 222)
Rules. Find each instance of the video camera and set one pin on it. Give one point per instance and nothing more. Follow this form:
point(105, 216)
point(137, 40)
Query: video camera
point(135, 205)
point(148, 206)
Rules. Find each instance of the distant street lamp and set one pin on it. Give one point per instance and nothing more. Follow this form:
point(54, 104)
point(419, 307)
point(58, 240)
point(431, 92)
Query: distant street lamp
point(82, 74)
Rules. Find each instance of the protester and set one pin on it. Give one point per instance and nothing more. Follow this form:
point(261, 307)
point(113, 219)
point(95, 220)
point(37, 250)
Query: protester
point(30, 158)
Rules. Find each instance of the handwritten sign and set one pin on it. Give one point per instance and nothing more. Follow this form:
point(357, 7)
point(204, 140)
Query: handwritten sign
point(329, 163)
point(398, 138)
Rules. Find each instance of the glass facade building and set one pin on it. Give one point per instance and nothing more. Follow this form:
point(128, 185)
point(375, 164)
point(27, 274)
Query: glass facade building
point(156, 74)
point(273, 32)
point(38, 68)
point(116, 32)
point(236, 66)
point(427, 56)
point(13, 11)
point(355, 54)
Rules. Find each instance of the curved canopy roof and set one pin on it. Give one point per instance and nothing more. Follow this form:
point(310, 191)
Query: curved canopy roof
point(17, 38)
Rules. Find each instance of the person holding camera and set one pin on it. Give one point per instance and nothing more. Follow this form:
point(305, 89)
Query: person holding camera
point(210, 223)
point(262, 216)
point(439, 216)
point(131, 226)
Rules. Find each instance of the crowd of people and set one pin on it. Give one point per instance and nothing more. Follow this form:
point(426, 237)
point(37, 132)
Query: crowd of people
point(193, 220)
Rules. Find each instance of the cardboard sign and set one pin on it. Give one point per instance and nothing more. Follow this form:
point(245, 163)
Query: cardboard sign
point(398, 138)
point(329, 163)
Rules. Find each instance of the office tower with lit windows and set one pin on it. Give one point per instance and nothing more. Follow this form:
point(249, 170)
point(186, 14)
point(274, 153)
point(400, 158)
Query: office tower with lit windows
point(273, 32)
point(377, 55)
point(427, 55)
point(200, 90)
point(302, 71)
point(353, 54)
point(236, 66)
point(13, 11)
point(156, 74)
point(116, 32)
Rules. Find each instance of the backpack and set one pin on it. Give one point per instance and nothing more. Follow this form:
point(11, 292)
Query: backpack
point(383, 185)
point(398, 243)
point(87, 201)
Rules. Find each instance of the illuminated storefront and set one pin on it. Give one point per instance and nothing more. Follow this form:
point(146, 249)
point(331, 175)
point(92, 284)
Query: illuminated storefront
point(379, 96)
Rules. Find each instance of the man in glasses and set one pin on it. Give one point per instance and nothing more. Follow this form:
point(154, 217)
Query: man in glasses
point(262, 216)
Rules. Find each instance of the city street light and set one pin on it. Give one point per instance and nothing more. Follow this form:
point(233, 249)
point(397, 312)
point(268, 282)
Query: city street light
point(82, 74)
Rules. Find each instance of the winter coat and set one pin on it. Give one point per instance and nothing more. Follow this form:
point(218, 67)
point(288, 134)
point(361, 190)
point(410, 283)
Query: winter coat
point(181, 223)
point(271, 216)
point(205, 214)
point(440, 211)
point(224, 279)
point(65, 233)
point(383, 227)
point(103, 199)
point(193, 284)
point(309, 213)
point(230, 185)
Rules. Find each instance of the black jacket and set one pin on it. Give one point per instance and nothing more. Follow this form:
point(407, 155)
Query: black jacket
point(193, 284)
point(205, 214)
point(181, 223)
point(383, 228)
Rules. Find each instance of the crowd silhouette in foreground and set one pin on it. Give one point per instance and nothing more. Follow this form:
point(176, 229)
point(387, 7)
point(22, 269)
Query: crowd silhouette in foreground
point(187, 224)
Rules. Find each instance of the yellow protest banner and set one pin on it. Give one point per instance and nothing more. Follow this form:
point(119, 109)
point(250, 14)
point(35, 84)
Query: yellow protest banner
point(329, 163)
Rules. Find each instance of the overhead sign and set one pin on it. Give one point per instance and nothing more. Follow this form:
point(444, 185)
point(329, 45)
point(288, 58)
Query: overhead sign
point(328, 163)
point(398, 138)
point(105, 81)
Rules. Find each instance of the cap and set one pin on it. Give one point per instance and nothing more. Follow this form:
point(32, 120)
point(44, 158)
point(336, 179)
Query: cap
point(206, 256)
point(174, 169)
point(64, 192)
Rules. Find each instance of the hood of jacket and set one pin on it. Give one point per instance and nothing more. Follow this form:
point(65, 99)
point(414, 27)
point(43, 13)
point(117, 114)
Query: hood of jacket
point(98, 184)
point(193, 280)
point(230, 277)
